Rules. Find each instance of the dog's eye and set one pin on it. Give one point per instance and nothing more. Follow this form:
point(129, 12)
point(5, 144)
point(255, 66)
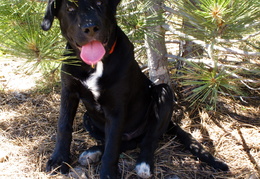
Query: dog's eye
point(99, 3)
point(70, 9)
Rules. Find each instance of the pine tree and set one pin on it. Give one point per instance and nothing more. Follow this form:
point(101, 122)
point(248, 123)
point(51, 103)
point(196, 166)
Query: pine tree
point(142, 22)
point(155, 43)
point(217, 26)
point(22, 36)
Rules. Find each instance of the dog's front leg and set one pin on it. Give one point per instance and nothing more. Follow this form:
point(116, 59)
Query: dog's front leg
point(61, 154)
point(113, 134)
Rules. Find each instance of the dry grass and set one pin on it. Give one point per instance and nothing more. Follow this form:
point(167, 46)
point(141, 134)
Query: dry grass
point(28, 124)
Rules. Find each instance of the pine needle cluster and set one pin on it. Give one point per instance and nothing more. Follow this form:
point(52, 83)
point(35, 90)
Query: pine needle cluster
point(218, 26)
point(23, 37)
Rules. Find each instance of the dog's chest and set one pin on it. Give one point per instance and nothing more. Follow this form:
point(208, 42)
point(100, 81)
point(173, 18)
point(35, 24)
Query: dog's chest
point(92, 81)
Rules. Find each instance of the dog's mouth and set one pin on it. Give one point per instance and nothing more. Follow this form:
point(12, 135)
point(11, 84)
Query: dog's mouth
point(92, 52)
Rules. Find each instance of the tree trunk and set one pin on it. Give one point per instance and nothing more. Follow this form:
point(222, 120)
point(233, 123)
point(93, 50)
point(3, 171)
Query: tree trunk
point(155, 44)
point(188, 49)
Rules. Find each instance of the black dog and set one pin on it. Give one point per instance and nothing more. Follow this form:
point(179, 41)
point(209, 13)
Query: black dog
point(124, 108)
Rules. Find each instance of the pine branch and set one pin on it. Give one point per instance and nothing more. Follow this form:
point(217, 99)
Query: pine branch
point(210, 64)
point(169, 9)
point(244, 83)
point(240, 40)
point(204, 45)
point(240, 97)
point(131, 14)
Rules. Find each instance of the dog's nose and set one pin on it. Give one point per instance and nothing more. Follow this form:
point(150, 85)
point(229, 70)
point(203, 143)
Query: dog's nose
point(90, 29)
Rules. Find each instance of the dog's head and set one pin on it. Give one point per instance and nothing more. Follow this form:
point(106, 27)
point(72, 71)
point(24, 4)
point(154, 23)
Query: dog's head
point(88, 25)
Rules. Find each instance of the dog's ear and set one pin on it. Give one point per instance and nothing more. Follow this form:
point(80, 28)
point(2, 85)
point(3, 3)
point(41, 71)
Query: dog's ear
point(115, 3)
point(51, 12)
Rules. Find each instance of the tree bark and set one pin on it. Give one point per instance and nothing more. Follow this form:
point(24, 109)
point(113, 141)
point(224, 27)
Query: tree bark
point(187, 48)
point(155, 44)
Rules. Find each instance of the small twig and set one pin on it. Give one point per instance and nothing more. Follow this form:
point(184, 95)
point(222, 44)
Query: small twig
point(247, 97)
point(244, 83)
point(165, 145)
point(173, 41)
point(247, 150)
point(244, 80)
point(235, 41)
point(171, 10)
point(73, 170)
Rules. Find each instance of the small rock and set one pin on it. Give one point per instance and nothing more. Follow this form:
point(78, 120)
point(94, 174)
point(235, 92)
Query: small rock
point(78, 173)
point(3, 156)
point(253, 176)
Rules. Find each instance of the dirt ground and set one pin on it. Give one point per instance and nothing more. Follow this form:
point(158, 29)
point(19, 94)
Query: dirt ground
point(28, 118)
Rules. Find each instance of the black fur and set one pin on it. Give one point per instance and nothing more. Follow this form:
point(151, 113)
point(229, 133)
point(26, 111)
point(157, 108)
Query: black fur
point(130, 111)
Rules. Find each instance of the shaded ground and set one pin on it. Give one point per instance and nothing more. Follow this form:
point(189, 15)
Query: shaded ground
point(28, 124)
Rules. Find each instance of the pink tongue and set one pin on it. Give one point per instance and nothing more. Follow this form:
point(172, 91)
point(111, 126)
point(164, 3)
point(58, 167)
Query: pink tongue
point(92, 52)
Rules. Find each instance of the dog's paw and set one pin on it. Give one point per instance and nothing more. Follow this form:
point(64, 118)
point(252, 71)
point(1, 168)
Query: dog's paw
point(57, 163)
point(219, 165)
point(143, 170)
point(90, 157)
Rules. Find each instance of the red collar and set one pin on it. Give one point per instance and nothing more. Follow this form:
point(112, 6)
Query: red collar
point(112, 48)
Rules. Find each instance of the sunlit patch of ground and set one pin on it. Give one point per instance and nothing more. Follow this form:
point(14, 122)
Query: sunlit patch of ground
point(28, 121)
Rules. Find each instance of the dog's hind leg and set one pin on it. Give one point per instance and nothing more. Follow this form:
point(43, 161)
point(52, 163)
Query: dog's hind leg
point(196, 148)
point(160, 114)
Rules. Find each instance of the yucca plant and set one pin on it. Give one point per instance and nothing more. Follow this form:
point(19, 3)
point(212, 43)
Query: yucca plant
point(212, 23)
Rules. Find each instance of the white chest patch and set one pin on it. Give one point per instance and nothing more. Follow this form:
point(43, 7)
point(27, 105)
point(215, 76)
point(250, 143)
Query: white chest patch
point(92, 82)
